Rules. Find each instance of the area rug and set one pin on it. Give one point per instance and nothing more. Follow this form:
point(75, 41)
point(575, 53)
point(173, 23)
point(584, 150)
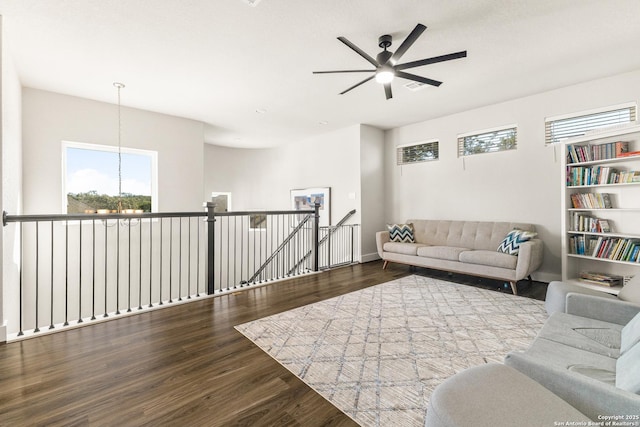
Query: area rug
point(378, 353)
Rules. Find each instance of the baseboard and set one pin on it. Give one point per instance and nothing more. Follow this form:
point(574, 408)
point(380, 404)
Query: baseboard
point(370, 257)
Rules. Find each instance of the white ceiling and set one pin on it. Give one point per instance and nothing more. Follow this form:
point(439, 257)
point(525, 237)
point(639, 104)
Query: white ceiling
point(218, 61)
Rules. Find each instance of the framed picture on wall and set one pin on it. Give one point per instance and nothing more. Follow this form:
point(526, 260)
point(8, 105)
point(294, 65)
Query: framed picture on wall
point(305, 198)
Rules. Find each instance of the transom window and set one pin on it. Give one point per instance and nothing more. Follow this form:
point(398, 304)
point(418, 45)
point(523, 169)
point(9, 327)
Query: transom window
point(414, 153)
point(488, 141)
point(560, 128)
point(91, 178)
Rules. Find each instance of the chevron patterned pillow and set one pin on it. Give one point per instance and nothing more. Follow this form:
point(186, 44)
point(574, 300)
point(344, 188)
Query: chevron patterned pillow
point(511, 244)
point(401, 233)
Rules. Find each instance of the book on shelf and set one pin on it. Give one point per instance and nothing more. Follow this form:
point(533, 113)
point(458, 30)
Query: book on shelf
point(601, 279)
point(588, 223)
point(612, 248)
point(593, 152)
point(591, 200)
point(599, 175)
point(630, 154)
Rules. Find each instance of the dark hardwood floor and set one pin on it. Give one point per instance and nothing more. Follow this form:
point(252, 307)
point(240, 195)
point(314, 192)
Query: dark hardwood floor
point(185, 365)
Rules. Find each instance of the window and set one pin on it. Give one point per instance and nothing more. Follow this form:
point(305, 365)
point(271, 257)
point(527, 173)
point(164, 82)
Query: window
point(91, 178)
point(415, 153)
point(488, 141)
point(560, 128)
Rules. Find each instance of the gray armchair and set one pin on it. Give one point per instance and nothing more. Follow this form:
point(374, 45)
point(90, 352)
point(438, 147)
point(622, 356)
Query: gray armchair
point(556, 299)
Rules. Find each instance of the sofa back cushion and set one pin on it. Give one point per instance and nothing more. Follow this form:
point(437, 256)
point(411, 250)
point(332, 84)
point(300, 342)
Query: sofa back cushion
point(628, 370)
point(630, 335)
point(484, 235)
point(631, 291)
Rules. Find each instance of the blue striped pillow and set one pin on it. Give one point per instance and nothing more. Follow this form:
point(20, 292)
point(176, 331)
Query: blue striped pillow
point(511, 244)
point(401, 233)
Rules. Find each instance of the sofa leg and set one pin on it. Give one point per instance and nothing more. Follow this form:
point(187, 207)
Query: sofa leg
point(384, 266)
point(530, 279)
point(514, 288)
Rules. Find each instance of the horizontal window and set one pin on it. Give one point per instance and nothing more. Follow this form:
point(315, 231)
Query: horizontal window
point(415, 153)
point(558, 129)
point(101, 178)
point(488, 141)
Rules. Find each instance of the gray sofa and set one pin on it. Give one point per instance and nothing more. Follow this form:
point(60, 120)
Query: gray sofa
point(468, 247)
point(586, 358)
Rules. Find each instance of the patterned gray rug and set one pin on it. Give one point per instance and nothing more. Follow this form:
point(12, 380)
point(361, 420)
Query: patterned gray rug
point(378, 353)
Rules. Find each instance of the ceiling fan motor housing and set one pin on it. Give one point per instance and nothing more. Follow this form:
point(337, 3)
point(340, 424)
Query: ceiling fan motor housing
point(384, 41)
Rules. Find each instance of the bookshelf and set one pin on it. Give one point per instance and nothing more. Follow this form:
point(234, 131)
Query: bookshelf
point(601, 206)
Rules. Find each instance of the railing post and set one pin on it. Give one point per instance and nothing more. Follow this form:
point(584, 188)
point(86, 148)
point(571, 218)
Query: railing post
point(211, 219)
point(316, 241)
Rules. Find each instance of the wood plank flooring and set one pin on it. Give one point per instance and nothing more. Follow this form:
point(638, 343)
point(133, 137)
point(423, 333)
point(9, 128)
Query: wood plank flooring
point(185, 365)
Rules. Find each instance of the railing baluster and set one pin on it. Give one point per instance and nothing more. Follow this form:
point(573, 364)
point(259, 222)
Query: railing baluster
point(106, 265)
point(189, 259)
point(179, 259)
point(66, 273)
point(140, 265)
point(161, 263)
point(117, 266)
point(80, 272)
point(37, 328)
point(93, 271)
point(52, 292)
point(21, 280)
point(129, 267)
point(151, 262)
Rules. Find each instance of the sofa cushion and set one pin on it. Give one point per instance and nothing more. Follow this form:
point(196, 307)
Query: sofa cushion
point(565, 357)
point(401, 233)
point(451, 253)
point(485, 235)
point(628, 370)
point(511, 243)
point(586, 334)
point(631, 291)
point(489, 258)
point(402, 248)
point(630, 335)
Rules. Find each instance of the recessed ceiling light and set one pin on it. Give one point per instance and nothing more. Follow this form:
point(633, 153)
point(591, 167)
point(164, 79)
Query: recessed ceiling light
point(252, 3)
point(260, 110)
point(323, 122)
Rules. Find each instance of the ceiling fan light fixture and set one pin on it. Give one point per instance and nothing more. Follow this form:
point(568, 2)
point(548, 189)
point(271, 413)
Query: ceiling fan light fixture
point(385, 76)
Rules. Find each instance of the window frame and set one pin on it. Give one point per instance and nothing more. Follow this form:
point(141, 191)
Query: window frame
point(548, 121)
point(110, 149)
point(461, 139)
point(400, 153)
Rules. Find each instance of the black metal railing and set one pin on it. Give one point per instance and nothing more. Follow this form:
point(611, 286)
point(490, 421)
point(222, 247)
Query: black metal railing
point(81, 268)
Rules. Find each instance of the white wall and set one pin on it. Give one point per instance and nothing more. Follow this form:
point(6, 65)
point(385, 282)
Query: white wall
point(372, 197)
point(263, 179)
point(50, 118)
point(11, 167)
point(517, 185)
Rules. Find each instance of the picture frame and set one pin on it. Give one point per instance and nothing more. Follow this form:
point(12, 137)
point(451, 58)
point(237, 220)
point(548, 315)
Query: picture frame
point(305, 198)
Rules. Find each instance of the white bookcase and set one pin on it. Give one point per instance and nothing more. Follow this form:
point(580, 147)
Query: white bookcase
point(623, 217)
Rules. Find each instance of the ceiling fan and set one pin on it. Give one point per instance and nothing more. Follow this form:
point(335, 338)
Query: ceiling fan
point(386, 62)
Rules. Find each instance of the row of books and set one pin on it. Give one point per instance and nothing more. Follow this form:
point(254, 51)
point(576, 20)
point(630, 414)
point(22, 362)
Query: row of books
point(613, 248)
point(601, 279)
point(591, 152)
point(591, 201)
point(599, 175)
point(582, 222)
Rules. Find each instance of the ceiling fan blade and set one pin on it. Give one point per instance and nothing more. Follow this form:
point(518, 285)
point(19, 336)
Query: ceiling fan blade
point(344, 71)
point(387, 90)
point(415, 78)
point(433, 60)
point(406, 44)
point(359, 51)
point(357, 84)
